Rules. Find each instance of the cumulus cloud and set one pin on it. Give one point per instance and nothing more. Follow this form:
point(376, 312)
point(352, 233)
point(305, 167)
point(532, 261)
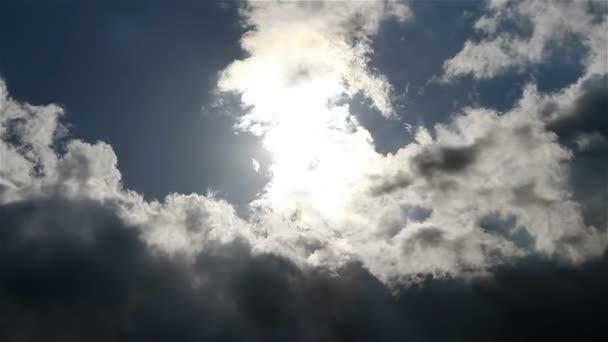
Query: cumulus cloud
point(37, 160)
point(332, 199)
point(538, 29)
point(28, 133)
point(330, 188)
point(581, 117)
point(430, 243)
point(301, 46)
point(89, 275)
point(462, 202)
point(575, 114)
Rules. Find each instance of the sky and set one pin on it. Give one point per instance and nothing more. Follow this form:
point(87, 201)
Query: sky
point(303, 170)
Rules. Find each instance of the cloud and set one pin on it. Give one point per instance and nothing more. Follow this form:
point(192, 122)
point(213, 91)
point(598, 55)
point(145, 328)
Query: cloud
point(584, 115)
point(537, 29)
point(293, 43)
point(386, 185)
point(445, 159)
point(472, 232)
point(332, 199)
point(326, 175)
point(37, 160)
point(256, 165)
point(87, 274)
point(482, 163)
point(507, 226)
point(27, 133)
point(580, 124)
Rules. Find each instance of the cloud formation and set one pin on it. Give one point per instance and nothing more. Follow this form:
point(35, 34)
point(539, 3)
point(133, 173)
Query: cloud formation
point(38, 160)
point(538, 29)
point(475, 231)
point(332, 199)
point(88, 275)
point(344, 243)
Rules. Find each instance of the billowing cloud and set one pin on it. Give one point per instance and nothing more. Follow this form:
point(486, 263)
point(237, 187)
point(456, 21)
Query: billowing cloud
point(88, 275)
point(331, 190)
point(475, 210)
point(519, 34)
point(319, 49)
point(475, 231)
point(581, 118)
point(332, 199)
point(37, 160)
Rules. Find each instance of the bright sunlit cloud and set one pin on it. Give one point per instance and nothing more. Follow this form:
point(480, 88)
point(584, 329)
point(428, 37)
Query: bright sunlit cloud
point(329, 186)
point(303, 58)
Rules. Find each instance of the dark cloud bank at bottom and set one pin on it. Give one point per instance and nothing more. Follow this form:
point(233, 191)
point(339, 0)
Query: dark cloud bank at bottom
point(73, 271)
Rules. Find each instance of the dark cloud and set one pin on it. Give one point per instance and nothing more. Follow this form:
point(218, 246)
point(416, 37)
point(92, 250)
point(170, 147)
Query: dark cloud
point(532, 300)
point(589, 176)
point(589, 167)
point(447, 159)
point(432, 163)
point(430, 237)
point(389, 185)
point(588, 114)
point(526, 195)
point(429, 163)
point(72, 270)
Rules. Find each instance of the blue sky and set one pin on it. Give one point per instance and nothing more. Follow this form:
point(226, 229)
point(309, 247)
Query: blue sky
point(116, 66)
point(137, 76)
point(141, 76)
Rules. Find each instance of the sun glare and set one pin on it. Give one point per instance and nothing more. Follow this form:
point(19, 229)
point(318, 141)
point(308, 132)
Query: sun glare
point(311, 159)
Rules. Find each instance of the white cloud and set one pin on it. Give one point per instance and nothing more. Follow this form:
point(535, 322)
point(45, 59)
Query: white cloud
point(292, 43)
point(552, 24)
point(322, 205)
point(27, 134)
point(332, 198)
point(302, 57)
point(31, 167)
point(255, 164)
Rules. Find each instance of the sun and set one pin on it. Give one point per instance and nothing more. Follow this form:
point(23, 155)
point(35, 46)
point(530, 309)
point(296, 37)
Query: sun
point(318, 151)
point(291, 83)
